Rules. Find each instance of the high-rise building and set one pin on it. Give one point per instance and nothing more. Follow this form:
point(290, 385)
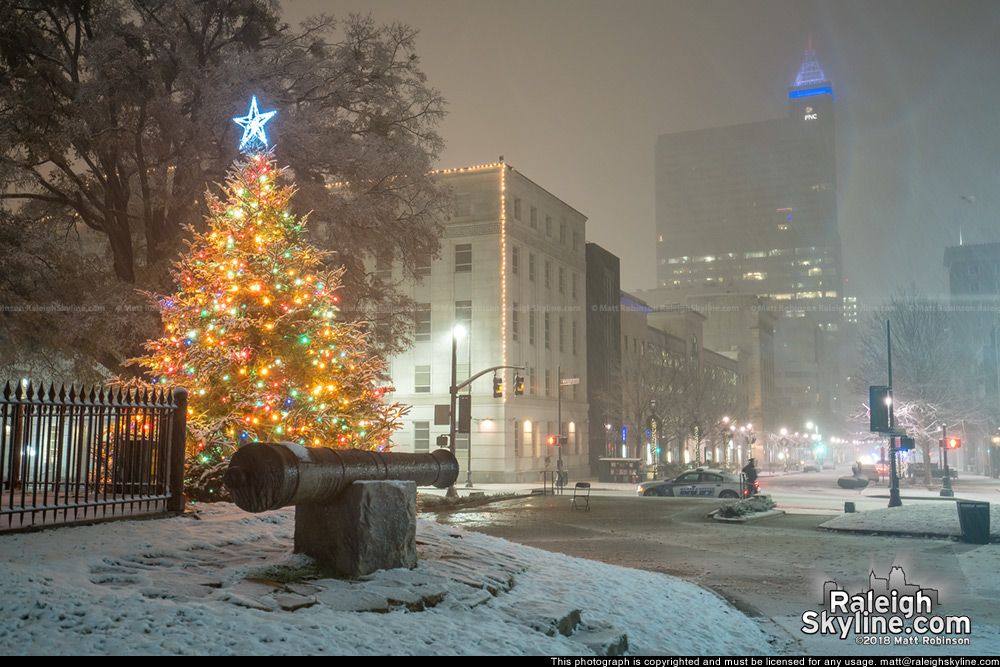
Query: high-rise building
point(751, 208)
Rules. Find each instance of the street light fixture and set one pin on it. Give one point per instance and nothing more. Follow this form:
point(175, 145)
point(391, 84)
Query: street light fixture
point(457, 331)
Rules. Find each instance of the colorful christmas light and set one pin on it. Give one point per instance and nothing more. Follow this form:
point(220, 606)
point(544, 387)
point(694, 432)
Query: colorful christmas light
point(252, 330)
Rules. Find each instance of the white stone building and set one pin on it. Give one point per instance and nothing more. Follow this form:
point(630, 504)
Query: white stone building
point(511, 274)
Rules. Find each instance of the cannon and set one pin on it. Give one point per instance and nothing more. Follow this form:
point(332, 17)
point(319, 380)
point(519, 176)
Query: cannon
point(269, 476)
point(355, 509)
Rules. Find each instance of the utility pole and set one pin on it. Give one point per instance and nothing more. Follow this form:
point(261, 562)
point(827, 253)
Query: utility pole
point(894, 500)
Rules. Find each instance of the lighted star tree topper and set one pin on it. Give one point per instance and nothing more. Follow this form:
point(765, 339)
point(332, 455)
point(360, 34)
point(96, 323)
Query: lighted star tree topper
point(252, 330)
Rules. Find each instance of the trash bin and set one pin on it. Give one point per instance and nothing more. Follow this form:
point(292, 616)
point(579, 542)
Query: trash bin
point(974, 519)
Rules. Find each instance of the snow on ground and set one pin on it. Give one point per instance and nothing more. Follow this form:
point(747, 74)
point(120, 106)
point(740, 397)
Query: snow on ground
point(204, 584)
point(192, 585)
point(914, 517)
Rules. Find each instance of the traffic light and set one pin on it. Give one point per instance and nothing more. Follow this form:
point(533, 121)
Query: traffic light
point(552, 440)
point(518, 385)
point(879, 399)
point(464, 423)
point(953, 443)
point(497, 386)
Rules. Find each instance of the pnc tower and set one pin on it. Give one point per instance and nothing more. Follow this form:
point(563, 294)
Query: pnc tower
point(751, 208)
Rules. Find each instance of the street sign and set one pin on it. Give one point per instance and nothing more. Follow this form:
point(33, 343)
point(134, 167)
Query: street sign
point(569, 381)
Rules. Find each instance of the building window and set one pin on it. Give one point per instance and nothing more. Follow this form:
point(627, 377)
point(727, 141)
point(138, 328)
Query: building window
point(421, 436)
point(422, 323)
point(517, 208)
point(515, 323)
point(562, 280)
point(463, 257)
point(534, 217)
point(576, 241)
point(383, 270)
point(531, 381)
point(531, 266)
point(548, 273)
point(423, 265)
point(531, 327)
point(421, 379)
point(515, 260)
point(547, 331)
point(463, 315)
point(548, 380)
point(573, 282)
point(548, 226)
point(561, 323)
point(574, 336)
point(517, 439)
point(562, 233)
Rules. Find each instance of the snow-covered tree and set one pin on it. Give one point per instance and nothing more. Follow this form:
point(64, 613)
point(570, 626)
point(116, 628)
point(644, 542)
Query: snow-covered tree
point(114, 118)
point(927, 367)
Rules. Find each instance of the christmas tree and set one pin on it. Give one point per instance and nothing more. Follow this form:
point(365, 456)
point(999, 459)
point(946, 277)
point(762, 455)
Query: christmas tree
point(252, 330)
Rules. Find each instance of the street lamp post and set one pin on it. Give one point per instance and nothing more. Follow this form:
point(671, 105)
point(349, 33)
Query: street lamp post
point(456, 331)
point(946, 489)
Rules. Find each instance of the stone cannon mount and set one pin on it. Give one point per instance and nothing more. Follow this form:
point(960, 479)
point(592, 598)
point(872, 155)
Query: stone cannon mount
point(355, 510)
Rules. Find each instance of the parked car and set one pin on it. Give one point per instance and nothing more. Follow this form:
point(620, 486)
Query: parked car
point(698, 483)
point(810, 466)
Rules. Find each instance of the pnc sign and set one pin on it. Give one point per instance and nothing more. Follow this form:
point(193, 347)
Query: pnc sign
point(810, 114)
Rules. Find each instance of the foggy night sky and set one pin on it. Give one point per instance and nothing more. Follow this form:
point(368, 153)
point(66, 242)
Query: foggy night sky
point(573, 94)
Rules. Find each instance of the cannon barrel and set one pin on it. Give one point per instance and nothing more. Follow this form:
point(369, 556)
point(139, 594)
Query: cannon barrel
point(268, 476)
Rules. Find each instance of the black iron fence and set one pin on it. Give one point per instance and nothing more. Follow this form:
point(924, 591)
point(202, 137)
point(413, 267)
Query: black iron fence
point(72, 454)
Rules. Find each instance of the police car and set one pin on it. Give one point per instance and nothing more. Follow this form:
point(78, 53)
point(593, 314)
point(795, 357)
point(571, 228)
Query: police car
point(698, 483)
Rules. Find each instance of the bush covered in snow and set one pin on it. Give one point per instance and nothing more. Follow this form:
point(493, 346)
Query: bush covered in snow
point(748, 506)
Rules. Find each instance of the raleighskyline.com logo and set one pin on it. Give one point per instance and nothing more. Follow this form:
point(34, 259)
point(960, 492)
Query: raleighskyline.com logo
point(889, 611)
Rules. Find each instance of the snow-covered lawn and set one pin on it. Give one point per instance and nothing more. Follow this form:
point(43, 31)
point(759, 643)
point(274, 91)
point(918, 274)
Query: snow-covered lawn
point(198, 584)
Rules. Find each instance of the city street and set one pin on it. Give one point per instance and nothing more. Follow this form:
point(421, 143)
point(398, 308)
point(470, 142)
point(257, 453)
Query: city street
point(774, 567)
